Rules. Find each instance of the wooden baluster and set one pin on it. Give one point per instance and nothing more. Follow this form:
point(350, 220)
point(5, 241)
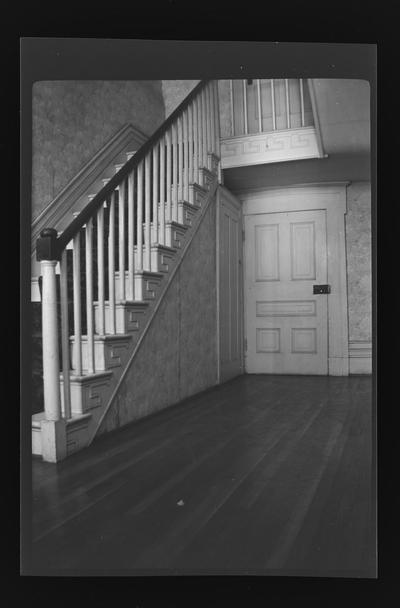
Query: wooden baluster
point(89, 294)
point(287, 103)
point(131, 236)
point(139, 238)
point(77, 303)
point(65, 345)
point(185, 181)
point(302, 102)
point(190, 146)
point(245, 107)
point(155, 193)
point(175, 172)
point(232, 108)
point(218, 131)
point(111, 263)
point(260, 127)
point(196, 140)
point(100, 270)
point(212, 116)
point(168, 185)
point(121, 240)
point(180, 158)
point(204, 129)
point(273, 104)
point(208, 122)
point(147, 226)
point(162, 191)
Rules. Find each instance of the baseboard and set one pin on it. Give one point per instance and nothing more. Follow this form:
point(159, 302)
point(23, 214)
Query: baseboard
point(338, 366)
point(360, 357)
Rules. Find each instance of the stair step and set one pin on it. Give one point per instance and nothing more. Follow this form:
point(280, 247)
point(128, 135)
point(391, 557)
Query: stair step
point(213, 162)
point(77, 432)
point(147, 284)
point(88, 391)
point(110, 351)
point(129, 316)
point(175, 234)
point(206, 177)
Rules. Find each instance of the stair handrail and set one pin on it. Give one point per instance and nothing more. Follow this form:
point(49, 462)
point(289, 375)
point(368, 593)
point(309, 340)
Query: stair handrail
point(57, 244)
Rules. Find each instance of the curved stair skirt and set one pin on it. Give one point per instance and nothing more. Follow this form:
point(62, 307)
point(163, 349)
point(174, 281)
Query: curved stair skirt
point(76, 195)
point(92, 393)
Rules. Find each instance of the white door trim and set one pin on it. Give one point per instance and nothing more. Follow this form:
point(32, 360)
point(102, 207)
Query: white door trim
point(331, 198)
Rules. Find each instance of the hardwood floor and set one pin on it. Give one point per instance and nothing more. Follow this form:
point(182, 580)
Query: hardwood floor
point(261, 475)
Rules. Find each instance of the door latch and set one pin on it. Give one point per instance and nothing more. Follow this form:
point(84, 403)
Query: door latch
point(321, 289)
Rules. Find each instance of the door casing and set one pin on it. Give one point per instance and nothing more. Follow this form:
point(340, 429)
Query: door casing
point(330, 197)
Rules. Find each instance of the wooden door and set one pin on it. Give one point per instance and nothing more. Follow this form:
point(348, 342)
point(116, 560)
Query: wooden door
point(230, 285)
point(286, 325)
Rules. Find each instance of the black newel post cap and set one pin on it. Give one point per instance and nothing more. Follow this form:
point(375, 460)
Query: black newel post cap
point(46, 245)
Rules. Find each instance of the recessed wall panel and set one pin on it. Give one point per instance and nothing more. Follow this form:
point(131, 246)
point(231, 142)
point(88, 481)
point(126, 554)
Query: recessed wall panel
point(286, 308)
point(268, 340)
point(266, 240)
point(304, 340)
point(302, 250)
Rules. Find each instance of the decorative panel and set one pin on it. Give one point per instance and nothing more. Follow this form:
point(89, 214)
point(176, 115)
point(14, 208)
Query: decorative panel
point(268, 340)
point(302, 250)
point(267, 252)
point(286, 308)
point(304, 340)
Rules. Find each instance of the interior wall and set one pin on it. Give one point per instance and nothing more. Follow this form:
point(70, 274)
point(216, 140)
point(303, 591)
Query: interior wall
point(174, 92)
point(180, 346)
point(358, 244)
point(72, 121)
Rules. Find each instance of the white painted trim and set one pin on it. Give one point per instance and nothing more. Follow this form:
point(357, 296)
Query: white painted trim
point(331, 198)
point(360, 357)
point(317, 125)
point(269, 147)
point(62, 206)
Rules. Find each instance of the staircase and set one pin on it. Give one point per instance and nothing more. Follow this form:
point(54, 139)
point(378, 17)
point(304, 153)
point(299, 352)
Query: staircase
point(117, 258)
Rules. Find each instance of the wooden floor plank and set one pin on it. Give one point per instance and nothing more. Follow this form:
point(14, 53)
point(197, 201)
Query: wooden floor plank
point(274, 473)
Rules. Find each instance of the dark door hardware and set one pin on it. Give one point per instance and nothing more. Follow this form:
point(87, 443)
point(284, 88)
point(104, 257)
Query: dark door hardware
point(321, 289)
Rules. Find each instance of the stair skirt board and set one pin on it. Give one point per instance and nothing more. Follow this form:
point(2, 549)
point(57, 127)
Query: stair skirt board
point(91, 394)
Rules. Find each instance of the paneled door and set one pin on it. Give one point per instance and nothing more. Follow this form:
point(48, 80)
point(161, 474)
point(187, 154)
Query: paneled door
point(230, 285)
point(286, 325)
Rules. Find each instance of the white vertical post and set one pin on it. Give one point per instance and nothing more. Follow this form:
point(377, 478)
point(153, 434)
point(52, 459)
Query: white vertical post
point(65, 334)
point(302, 101)
point(260, 127)
point(131, 237)
point(162, 191)
point(89, 295)
point(100, 269)
point(190, 147)
point(245, 107)
point(273, 104)
point(204, 128)
point(51, 364)
point(196, 140)
point(155, 193)
point(121, 239)
point(174, 215)
point(139, 238)
point(111, 263)
point(147, 227)
point(185, 180)
point(168, 183)
point(180, 158)
point(218, 131)
point(77, 303)
point(287, 103)
point(212, 115)
point(232, 108)
point(208, 121)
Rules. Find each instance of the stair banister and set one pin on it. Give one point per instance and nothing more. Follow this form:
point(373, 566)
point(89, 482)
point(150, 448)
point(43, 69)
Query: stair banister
point(155, 184)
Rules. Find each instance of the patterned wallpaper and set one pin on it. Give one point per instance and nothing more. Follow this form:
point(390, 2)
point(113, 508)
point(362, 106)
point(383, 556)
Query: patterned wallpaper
point(358, 244)
point(72, 120)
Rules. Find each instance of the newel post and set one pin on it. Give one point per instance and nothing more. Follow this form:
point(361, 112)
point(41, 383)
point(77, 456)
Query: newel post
point(53, 427)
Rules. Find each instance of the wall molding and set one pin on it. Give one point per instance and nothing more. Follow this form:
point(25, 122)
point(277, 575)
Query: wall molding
point(269, 147)
point(63, 204)
point(360, 357)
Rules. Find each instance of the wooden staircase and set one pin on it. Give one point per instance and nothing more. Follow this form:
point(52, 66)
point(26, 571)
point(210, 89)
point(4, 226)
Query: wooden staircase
point(117, 258)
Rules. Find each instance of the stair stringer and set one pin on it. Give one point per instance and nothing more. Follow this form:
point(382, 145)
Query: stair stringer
point(99, 415)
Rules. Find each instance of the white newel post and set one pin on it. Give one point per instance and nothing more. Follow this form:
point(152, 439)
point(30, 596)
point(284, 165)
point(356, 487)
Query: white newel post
point(53, 427)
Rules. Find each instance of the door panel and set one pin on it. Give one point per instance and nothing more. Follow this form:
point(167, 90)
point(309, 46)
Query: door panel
point(230, 285)
point(286, 324)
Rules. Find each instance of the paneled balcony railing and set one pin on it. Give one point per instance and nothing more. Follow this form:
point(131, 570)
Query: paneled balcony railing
point(268, 120)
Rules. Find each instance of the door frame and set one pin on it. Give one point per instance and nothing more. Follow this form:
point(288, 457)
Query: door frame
point(330, 197)
point(236, 202)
